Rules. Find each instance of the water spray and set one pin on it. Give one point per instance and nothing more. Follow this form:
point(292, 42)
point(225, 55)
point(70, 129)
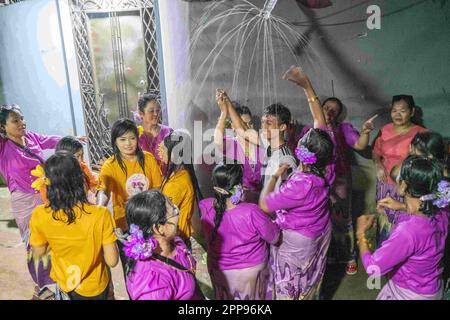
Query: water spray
point(268, 8)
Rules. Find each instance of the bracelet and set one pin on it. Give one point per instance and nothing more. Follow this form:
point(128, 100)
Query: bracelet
point(361, 240)
point(311, 100)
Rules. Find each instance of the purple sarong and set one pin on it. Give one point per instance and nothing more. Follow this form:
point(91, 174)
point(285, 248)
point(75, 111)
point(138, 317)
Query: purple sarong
point(240, 284)
point(298, 266)
point(393, 292)
point(22, 205)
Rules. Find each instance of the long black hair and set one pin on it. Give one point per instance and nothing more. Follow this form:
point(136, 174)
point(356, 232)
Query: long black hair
point(145, 209)
point(66, 189)
point(224, 176)
point(119, 128)
point(422, 176)
point(431, 145)
point(318, 142)
point(179, 154)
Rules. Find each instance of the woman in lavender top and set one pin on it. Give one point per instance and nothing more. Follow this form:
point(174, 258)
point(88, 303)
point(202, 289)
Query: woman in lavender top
point(237, 236)
point(20, 153)
point(159, 265)
point(153, 131)
point(301, 208)
point(412, 255)
point(342, 247)
point(237, 148)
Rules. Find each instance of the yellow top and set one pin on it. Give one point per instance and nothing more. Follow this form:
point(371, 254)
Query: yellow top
point(124, 186)
point(76, 249)
point(181, 192)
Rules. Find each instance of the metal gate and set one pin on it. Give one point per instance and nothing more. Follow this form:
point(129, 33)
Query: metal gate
point(107, 96)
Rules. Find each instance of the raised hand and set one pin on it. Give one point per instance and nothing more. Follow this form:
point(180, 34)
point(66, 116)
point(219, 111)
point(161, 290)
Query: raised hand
point(221, 98)
point(364, 223)
point(296, 75)
point(281, 170)
point(368, 125)
point(390, 203)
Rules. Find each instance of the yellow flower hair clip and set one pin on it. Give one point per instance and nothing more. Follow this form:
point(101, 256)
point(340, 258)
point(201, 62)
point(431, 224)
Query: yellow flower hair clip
point(42, 181)
point(140, 130)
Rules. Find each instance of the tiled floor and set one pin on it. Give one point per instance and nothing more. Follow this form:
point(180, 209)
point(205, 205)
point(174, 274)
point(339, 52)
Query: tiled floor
point(16, 282)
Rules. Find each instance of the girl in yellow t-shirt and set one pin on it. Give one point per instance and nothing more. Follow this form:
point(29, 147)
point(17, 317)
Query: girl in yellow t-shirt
point(127, 172)
point(180, 183)
point(80, 235)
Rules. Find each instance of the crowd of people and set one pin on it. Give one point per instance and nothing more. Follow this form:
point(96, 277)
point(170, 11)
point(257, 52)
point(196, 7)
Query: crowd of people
point(281, 205)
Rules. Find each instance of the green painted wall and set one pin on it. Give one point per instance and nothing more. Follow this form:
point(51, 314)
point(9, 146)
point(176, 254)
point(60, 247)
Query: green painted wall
point(411, 54)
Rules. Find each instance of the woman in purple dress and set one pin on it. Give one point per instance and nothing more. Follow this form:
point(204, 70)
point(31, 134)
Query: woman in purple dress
point(237, 148)
point(159, 265)
point(237, 236)
point(153, 131)
point(301, 209)
point(20, 152)
point(342, 247)
point(412, 255)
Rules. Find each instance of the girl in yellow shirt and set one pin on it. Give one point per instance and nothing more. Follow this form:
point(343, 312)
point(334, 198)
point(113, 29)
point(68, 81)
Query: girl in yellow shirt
point(127, 172)
point(80, 235)
point(180, 184)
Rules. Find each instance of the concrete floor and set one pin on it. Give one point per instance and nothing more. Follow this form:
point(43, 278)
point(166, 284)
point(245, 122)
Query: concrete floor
point(16, 283)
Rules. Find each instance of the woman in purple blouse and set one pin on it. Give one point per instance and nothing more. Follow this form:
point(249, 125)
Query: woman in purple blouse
point(237, 236)
point(411, 257)
point(159, 265)
point(20, 153)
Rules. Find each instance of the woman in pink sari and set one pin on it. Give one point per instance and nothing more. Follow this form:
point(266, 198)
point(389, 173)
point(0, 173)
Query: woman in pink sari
point(390, 149)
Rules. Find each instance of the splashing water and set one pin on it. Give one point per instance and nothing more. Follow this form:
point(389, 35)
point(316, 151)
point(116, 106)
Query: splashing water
point(251, 44)
point(268, 8)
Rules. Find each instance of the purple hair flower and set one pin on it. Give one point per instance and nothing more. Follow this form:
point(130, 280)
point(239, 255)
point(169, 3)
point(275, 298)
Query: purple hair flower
point(237, 194)
point(304, 155)
point(442, 194)
point(137, 117)
point(136, 247)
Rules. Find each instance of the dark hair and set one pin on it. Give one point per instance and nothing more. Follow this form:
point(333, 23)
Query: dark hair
point(243, 110)
point(224, 176)
point(66, 188)
point(145, 99)
point(280, 111)
point(431, 145)
point(180, 158)
point(5, 110)
point(421, 176)
point(145, 209)
point(318, 142)
point(70, 144)
point(339, 103)
point(119, 128)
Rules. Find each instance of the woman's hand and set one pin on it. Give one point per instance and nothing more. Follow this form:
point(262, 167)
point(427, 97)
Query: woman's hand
point(82, 138)
point(368, 125)
point(281, 170)
point(390, 203)
point(295, 74)
point(364, 223)
point(222, 98)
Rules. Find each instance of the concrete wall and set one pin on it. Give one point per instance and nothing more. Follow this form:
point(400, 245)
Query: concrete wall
point(33, 70)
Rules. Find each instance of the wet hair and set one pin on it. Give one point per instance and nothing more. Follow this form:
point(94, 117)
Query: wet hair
point(5, 111)
point(421, 176)
point(431, 145)
point(409, 100)
point(119, 128)
point(145, 99)
point(243, 110)
point(179, 154)
point(278, 110)
point(224, 176)
point(70, 144)
point(145, 209)
point(318, 142)
point(338, 102)
point(66, 188)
